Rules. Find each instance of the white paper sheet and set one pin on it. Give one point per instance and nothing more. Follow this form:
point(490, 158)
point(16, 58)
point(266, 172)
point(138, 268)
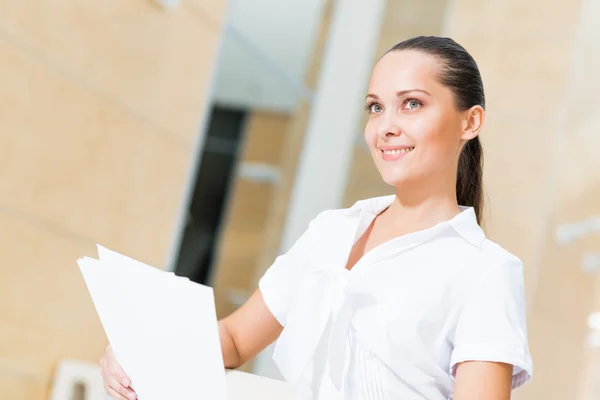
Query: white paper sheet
point(163, 328)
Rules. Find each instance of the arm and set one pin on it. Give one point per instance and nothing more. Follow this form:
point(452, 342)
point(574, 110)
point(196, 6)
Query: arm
point(260, 320)
point(247, 331)
point(478, 380)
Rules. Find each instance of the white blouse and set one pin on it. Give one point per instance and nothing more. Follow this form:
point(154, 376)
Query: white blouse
point(397, 324)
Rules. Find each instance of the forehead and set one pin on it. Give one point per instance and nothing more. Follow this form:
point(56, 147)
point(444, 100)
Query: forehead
point(405, 69)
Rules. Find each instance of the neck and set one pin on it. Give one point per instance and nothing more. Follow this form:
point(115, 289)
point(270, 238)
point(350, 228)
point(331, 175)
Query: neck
point(419, 206)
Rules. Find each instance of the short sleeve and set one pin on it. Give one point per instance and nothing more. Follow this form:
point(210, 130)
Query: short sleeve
point(491, 324)
point(279, 283)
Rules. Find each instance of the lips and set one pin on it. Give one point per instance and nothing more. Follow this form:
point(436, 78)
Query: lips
point(389, 153)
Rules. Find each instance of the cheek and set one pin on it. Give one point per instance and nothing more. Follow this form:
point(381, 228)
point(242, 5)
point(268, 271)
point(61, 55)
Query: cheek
point(371, 134)
point(425, 132)
point(438, 146)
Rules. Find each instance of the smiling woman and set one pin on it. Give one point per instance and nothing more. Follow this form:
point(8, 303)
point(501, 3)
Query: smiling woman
point(403, 296)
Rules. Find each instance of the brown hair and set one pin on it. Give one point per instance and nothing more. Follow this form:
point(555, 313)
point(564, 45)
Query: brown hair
point(461, 75)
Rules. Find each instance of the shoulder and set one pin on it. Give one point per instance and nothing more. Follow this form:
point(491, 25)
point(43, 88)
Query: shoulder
point(492, 261)
point(497, 256)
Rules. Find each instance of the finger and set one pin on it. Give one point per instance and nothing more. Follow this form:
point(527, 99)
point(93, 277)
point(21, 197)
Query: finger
point(115, 370)
point(120, 377)
point(112, 393)
point(126, 392)
point(117, 377)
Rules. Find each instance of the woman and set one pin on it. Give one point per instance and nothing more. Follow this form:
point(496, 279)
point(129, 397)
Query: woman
point(397, 297)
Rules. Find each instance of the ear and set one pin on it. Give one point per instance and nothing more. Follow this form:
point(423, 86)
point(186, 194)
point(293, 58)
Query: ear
point(474, 118)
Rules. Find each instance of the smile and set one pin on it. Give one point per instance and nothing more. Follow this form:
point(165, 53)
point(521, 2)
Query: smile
point(398, 151)
point(394, 154)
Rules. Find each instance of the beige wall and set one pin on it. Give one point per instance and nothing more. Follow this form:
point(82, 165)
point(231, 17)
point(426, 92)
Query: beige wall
point(101, 103)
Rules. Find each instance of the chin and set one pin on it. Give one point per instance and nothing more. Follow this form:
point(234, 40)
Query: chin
point(395, 180)
point(400, 175)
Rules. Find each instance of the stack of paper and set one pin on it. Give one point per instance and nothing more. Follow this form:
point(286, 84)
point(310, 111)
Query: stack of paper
point(163, 328)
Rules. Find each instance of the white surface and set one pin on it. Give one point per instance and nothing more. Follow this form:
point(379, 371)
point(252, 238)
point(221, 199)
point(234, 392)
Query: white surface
point(163, 328)
point(244, 386)
point(333, 124)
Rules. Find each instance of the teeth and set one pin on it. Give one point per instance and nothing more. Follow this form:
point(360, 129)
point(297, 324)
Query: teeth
point(398, 151)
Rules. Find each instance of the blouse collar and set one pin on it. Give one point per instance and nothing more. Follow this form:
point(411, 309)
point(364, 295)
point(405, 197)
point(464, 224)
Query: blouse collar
point(464, 223)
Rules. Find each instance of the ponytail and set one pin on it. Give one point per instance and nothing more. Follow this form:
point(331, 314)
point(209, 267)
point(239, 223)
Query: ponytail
point(469, 180)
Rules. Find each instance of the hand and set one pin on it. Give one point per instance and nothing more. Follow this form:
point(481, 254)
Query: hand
point(116, 382)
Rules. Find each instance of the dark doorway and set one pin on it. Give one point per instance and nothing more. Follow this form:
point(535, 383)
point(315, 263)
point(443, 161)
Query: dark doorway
point(207, 206)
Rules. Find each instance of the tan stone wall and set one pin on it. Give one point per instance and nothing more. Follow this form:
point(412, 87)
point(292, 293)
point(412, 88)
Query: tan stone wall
point(101, 103)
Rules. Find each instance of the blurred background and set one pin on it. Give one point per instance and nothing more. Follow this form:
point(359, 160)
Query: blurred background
point(201, 136)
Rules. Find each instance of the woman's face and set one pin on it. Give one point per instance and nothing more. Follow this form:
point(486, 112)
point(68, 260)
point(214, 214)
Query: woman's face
point(415, 132)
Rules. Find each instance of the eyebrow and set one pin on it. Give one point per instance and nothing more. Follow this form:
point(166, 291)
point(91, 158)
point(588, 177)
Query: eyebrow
point(400, 93)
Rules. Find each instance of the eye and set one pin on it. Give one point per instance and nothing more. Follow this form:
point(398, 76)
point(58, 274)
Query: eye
point(374, 107)
point(412, 104)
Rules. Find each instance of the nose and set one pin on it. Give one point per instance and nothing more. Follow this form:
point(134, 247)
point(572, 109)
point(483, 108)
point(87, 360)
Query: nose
point(388, 127)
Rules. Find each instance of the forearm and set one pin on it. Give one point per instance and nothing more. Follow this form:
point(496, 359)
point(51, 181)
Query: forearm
point(231, 357)
point(247, 331)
